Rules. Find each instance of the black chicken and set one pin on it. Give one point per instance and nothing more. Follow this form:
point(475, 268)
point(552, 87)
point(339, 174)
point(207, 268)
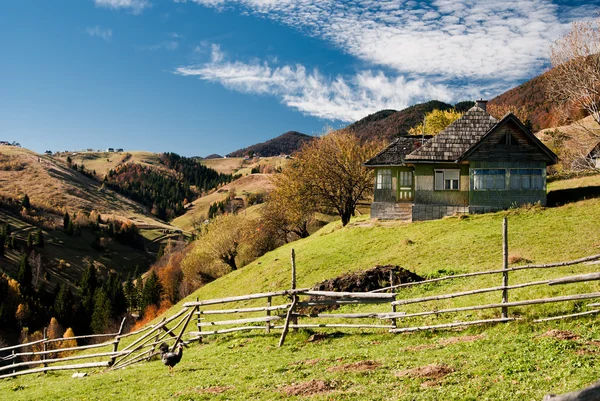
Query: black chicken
point(171, 359)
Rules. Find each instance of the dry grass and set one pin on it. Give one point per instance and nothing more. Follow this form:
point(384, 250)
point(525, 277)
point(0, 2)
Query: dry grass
point(52, 184)
point(197, 210)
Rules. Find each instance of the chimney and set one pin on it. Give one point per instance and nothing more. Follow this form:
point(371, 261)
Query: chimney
point(481, 104)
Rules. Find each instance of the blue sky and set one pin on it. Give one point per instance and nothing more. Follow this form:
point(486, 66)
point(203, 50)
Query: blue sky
point(211, 76)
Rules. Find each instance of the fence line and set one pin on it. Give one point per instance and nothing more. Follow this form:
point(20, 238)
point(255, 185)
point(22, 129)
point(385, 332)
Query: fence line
point(144, 346)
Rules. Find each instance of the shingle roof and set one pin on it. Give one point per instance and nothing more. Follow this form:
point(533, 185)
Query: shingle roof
point(457, 138)
point(395, 152)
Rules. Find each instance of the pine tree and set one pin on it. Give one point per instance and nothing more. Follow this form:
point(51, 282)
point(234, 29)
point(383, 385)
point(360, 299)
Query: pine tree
point(102, 311)
point(66, 221)
point(70, 228)
point(29, 239)
point(25, 202)
point(39, 238)
point(87, 289)
point(139, 289)
point(116, 296)
point(25, 276)
point(63, 304)
point(152, 291)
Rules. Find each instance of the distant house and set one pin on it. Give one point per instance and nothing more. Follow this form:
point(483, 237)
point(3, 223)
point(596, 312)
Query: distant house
point(110, 150)
point(48, 152)
point(4, 143)
point(477, 164)
point(120, 150)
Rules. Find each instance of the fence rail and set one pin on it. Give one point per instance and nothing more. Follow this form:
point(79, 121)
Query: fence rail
point(295, 304)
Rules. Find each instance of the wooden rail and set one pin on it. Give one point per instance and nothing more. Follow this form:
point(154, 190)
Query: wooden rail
point(213, 321)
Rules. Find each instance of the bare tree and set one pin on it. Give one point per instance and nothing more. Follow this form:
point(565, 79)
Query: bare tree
point(575, 80)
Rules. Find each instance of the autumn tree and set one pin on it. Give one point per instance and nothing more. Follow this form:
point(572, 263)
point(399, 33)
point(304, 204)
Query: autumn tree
point(435, 122)
point(575, 79)
point(332, 169)
point(223, 238)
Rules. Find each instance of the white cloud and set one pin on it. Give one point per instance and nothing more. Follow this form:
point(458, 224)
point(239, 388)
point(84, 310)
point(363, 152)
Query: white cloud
point(449, 50)
point(337, 98)
point(136, 6)
point(477, 39)
point(96, 31)
point(170, 45)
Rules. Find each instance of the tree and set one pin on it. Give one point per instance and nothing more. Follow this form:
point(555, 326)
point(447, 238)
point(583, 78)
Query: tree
point(39, 238)
point(436, 121)
point(29, 239)
point(25, 276)
point(2, 242)
point(102, 311)
point(151, 292)
point(25, 202)
point(66, 220)
point(87, 288)
point(332, 169)
point(575, 79)
point(63, 304)
point(223, 238)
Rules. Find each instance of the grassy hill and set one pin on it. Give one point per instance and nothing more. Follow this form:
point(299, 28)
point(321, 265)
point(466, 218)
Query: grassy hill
point(514, 361)
point(103, 162)
point(197, 211)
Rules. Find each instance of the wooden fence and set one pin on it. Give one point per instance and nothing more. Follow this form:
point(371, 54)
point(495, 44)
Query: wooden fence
point(282, 310)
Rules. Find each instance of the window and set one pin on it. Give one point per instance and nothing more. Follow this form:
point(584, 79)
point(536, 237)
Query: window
point(384, 179)
point(488, 178)
point(447, 180)
point(527, 178)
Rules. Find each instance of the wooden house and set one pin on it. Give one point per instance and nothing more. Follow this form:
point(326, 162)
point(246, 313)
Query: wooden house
point(477, 164)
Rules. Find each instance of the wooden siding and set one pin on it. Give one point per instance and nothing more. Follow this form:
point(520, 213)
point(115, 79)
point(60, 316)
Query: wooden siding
point(494, 147)
point(424, 185)
point(504, 199)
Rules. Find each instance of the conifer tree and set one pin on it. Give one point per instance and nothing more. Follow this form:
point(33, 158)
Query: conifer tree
point(87, 289)
point(63, 304)
point(25, 276)
point(152, 291)
point(29, 239)
point(66, 221)
point(25, 202)
point(39, 238)
point(102, 311)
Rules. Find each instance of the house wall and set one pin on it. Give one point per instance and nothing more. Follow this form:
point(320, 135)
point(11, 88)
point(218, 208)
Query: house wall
point(503, 199)
point(494, 147)
point(424, 186)
point(393, 195)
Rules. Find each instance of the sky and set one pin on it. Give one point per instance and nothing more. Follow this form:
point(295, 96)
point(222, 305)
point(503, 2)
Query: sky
point(198, 77)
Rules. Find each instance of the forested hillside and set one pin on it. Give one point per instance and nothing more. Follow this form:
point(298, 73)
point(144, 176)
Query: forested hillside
point(284, 144)
point(165, 191)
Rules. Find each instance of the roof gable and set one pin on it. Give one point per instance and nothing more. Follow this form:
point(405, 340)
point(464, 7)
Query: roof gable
point(457, 138)
point(522, 144)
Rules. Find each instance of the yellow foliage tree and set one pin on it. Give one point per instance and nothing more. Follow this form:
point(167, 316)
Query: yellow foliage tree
point(436, 121)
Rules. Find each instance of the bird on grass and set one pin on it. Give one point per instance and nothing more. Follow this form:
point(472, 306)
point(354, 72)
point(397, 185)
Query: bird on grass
point(171, 359)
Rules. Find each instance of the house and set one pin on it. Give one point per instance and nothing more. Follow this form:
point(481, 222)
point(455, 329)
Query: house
point(4, 143)
point(477, 164)
point(110, 150)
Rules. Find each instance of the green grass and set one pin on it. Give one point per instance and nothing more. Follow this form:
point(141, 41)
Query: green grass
point(513, 361)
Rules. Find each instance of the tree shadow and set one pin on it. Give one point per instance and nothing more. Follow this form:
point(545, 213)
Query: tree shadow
point(564, 196)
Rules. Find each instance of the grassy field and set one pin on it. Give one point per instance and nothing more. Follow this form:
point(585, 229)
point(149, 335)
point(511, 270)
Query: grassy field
point(514, 361)
point(197, 211)
point(102, 162)
point(237, 165)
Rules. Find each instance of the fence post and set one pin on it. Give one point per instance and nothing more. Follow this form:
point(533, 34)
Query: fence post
point(45, 346)
point(198, 321)
point(392, 279)
point(505, 266)
point(294, 296)
point(268, 325)
point(117, 340)
point(14, 360)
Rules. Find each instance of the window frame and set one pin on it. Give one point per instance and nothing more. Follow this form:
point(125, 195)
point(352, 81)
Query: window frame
point(443, 183)
point(380, 182)
point(529, 173)
point(495, 178)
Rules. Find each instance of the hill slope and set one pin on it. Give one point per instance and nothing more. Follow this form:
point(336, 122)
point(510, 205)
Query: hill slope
point(285, 144)
point(513, 361)
point(388, 124)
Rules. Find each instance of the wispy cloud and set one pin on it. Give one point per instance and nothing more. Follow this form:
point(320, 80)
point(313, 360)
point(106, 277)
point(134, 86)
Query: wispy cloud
point(479, 39)
point(441, 49)
point(136, 6)
point(336, 98)
point(96, 31)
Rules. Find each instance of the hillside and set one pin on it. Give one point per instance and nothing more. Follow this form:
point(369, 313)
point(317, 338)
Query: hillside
point(103, 162)
point(513, 361)
point(197, 211)
point(533, 99)
point(388, 124)
point(284, 144)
